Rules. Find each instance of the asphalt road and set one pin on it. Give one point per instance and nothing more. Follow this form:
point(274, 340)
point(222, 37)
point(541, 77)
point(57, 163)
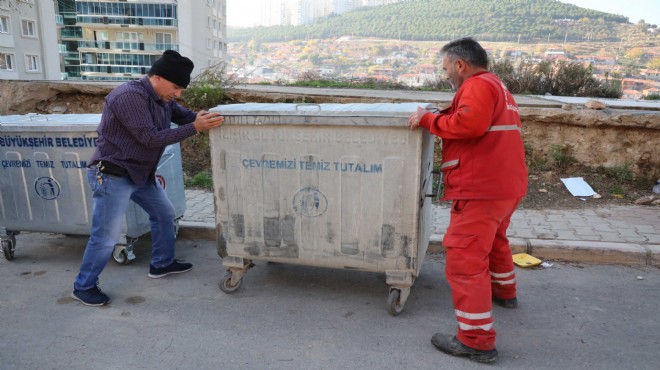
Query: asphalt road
point(299, 317)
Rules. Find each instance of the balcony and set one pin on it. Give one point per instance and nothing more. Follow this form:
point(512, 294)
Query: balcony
point(59, 20)
point(125, 46)
point(69, 18)
point(127, 21)
point(73, 72)
point(71, 33)
point(72, 57)
point(61, 48)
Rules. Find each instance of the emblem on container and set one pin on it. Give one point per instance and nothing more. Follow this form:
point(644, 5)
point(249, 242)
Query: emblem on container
point(310, 202)
point(47, 188)
point(162, 181)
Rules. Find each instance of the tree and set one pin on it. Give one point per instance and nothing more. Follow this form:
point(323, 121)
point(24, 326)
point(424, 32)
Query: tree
point(634, 54)
point(654, 63)
point(642, 25)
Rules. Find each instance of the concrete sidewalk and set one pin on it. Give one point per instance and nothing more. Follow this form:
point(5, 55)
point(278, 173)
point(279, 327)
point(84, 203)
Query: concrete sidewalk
point(627, 235)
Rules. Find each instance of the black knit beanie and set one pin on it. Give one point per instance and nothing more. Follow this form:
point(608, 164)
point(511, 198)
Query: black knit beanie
point(173, 67)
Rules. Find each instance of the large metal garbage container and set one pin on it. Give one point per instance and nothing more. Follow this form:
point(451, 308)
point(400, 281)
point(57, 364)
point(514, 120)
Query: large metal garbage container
point(44, 185)
point(331, 185)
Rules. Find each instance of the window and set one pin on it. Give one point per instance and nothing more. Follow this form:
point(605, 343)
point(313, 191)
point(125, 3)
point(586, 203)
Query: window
point(32, 63)
point(4, 24)
point(130, 36)
point(28, 28)
point(163, 38)
point(6, 62)
point(101, 35)
point(209, 43)
point(208, 22)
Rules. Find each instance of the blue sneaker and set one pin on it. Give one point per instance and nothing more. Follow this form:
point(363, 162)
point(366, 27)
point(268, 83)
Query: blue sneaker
point(91, 297)
point(175, 267)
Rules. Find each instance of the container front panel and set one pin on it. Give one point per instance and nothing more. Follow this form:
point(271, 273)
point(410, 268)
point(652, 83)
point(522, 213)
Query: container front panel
point(43, 187)
point(44, 182)
point(343, 197)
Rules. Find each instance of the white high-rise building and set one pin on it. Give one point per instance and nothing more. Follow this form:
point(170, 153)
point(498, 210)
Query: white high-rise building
point(343, 6)
point(303, 11)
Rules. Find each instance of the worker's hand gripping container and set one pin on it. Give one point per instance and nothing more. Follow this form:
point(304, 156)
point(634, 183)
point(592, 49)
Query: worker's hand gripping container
point(44, 185)
point(331, 185)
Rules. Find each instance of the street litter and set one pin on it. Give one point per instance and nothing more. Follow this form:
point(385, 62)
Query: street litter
point(525, 260)
point(546, 265)
point(578, 187)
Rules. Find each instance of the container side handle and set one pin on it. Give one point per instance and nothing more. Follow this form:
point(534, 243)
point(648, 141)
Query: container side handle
point(308, 105)
point(38, 116)
point(164, 159)
point(437, 185)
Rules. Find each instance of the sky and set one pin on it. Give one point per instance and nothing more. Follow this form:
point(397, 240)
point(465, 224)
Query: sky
point(241, 13)
point(648, 10)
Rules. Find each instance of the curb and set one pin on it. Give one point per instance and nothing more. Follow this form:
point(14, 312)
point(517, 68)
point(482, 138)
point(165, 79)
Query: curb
point(577, 251)
point(561, 250)
point(196, 230)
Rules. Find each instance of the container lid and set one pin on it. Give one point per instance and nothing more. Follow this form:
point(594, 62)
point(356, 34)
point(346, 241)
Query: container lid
point(369, 114)
point(50, 122)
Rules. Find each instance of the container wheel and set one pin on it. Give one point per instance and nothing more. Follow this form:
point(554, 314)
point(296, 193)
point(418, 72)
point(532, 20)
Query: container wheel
point(225, 283)
point(8, 249)
point(120, 255)
point(394, 302)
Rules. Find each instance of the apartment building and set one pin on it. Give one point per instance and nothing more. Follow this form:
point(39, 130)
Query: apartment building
point(106, 39)
point(119, 40)
point(28, 43)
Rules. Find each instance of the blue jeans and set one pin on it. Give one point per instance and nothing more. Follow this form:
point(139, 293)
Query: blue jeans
point(110, 203)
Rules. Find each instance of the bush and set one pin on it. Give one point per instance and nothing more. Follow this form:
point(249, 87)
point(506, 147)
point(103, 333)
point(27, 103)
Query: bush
point(202, 180)
point(527, 78)
point(313, 79)
point(560, 78)
point(207, 90)
point(440, 83)
point(561, 156)
point(622, 173)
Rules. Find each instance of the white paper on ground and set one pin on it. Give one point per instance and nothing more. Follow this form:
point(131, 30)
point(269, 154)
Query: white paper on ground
point(578, 187)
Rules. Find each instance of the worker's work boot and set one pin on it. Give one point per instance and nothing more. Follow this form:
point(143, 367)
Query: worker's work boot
point(506, 303)
point(452, 346)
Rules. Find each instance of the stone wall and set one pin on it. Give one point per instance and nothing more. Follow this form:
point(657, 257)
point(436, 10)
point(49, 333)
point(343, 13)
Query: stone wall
point(606, 137)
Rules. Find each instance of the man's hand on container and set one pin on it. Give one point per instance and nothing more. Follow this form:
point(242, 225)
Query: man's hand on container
point(208, 120)
point(415, 117)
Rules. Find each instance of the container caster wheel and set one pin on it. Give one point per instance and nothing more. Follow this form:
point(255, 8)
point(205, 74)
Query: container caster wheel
point(225, 283)
point(394, 305)
point(8, 249)
point(120, 255)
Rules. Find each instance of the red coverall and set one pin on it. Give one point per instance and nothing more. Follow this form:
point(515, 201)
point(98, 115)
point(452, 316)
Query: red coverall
point(485, 176)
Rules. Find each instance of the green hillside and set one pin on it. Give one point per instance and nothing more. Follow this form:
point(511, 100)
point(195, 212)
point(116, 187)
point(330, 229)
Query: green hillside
point(487, 20)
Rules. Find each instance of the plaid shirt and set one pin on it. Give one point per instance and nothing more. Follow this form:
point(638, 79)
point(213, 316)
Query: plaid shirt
point(136, 127)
